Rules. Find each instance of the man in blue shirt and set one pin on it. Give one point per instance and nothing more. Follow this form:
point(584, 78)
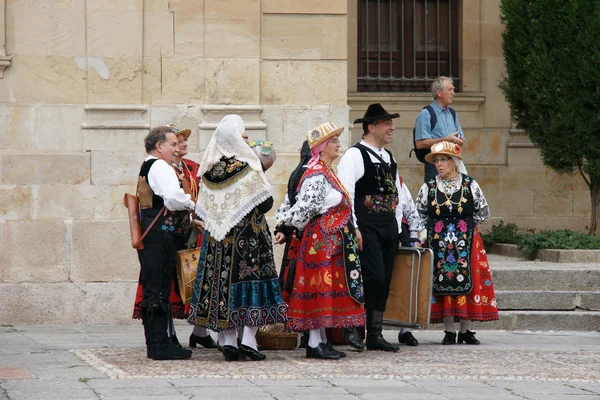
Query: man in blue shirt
point(447, 127)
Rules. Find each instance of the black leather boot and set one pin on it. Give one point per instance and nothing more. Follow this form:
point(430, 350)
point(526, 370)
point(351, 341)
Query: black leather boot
point(352, 338)
point(375, 340)
point(146, 325)
point(161, 347)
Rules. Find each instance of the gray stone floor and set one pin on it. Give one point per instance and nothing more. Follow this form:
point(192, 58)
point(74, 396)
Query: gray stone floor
point(107, 362)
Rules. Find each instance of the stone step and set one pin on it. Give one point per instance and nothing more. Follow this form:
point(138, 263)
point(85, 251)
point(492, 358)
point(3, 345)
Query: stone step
point(548, 300)
point(543, 321)
point(546, 279)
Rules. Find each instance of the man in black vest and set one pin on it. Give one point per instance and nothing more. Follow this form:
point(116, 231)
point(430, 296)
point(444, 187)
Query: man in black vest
point(369, 173)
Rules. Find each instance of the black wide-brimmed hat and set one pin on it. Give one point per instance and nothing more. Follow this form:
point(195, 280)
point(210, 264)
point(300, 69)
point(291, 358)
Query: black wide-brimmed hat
point(376, 112)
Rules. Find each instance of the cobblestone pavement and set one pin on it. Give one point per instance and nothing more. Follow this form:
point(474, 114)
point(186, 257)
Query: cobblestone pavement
point(108, 362)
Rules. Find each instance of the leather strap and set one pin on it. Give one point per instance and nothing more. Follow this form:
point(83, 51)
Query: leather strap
point(163, 209)
point(384, 164)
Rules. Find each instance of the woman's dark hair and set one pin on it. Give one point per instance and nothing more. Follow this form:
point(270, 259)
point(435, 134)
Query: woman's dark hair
point(156, 135)
point(305, 156)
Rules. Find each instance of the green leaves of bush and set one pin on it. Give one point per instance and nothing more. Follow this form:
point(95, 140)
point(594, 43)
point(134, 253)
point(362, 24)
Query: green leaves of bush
point(529, 242)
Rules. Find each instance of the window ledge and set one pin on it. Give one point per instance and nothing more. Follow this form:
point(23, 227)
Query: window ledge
point(466, 101)
point(4, 64)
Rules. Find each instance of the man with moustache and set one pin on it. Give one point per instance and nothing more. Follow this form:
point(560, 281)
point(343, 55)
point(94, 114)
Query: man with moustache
point(369, 173)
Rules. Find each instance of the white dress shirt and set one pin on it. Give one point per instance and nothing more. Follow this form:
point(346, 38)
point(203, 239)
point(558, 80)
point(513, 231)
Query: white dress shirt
point(164, 183)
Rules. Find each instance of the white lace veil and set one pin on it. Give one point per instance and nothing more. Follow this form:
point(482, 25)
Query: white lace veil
point(460, 165)
point(224, 205)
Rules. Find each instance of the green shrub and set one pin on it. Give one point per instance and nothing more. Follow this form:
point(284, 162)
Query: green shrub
point(501, 233)
point(565, 239)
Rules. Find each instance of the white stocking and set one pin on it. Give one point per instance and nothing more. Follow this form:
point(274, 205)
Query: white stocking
point(314, 338)
point(200, 331)
point(449, 324)
point(249, 338)
point(323, 335)
point(404, 330)
point(465, 325)
point(228, 338)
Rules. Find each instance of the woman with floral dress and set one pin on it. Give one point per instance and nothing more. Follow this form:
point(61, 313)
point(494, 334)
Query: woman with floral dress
point(452, 205)
point(327, 291)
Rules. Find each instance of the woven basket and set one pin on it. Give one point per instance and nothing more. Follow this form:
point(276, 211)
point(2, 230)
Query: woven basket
point(272, 337)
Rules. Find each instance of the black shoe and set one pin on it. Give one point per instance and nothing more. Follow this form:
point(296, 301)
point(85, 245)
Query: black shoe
point(207, 342)
point(334, 351)
point(175, 341)
point(231, 353)
point(449, 338)
point(321, 352)
point(352, 338)
point(468, 337)
point(304, 341)
point(408, 339)
point(375, 340)
point(170, 353)
point(252, 354)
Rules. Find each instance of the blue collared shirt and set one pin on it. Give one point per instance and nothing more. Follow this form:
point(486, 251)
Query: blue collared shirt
point(445, 124)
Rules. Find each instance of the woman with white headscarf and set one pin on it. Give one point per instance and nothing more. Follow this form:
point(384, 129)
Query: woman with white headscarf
point(452, 205)
point(236, 284)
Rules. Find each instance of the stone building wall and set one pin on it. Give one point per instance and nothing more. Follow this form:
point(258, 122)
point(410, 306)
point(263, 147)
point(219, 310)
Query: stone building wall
point(81, 81)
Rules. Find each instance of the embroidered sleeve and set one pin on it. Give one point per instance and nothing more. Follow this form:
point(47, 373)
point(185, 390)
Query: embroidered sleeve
point(482, 211)
point(422, 204)
point(284, 208)
point(409, 211)
point(309, 201)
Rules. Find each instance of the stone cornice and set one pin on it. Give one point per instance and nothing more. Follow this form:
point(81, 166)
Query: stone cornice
point(468, 101)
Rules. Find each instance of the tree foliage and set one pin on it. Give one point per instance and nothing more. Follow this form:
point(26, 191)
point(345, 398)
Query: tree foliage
point(552, 83)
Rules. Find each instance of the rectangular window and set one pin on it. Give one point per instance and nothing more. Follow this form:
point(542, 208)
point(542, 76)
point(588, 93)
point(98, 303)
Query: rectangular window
point(403, 45)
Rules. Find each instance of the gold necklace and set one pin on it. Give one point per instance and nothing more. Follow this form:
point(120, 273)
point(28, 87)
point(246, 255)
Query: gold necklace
point(448, 201)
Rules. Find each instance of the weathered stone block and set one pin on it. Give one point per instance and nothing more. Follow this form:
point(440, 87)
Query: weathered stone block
point(121, 85)
point(158, 34)
point(63, 202)
point(183, 80)
point(186, 116)
point(121, 5)
point(283, 167)
point(50, 31)
point(58, 128)
point(116, 168)
point(45, 168)
point(232, 29)
point(189, 35)
point(62, 303)
point(555, 222)
point(233, 81)
point(304, 7)
point(537, 300)
point(192, 8)
point(34, 251)
point(108, 201)
point(582, 203)
point(485, 146)
point(589, 301)
point(557, 181)
point(289, 36)
point(102, 252)
point(114, 33)
point(104, 139)
point(569, 256)
point(44, 79)
point(108, 303)
point(521, 176)
point(16, 202)
point(513, 203)
point(553, 202)
point(284, 82)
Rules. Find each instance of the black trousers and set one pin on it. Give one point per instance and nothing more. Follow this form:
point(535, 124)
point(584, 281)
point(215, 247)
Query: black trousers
point(158, 260)
point(380, 241)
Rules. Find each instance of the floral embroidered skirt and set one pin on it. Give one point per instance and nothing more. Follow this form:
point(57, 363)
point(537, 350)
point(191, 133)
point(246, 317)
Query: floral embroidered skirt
point(237, 284)
point(480, 303)
point(320, 295)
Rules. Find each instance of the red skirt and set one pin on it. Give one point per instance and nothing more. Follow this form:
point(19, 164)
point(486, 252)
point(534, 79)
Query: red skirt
point(480, 304)
point(320, 296)
point(288, 267)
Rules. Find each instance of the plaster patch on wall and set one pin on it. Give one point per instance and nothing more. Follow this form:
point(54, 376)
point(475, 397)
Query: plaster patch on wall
point(93, 62)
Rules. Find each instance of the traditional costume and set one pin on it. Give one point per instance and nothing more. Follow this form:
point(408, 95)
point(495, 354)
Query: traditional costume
point(462, 282)
point(327, 289)
point(236, 284)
